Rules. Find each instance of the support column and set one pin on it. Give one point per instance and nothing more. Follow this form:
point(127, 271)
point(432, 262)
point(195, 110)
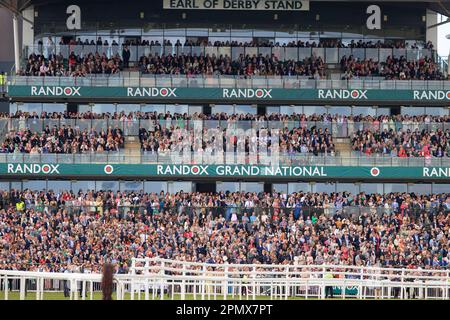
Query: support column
point(432, 33)
point(16, 43)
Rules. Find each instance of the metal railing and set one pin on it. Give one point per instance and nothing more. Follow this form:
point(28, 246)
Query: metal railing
point(227, 158)
point(225, 81)
point(329, 55)
point(130, 127)
point(157, 278)
point(233, 211)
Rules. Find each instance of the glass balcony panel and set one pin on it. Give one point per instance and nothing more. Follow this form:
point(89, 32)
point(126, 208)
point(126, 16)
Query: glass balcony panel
point(332, 55)
point(304, 53)
point(291, 53)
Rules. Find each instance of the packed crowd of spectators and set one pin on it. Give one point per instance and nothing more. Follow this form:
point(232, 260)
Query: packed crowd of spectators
point(322, 43)
point(391, 69)
point(45, 230)
point(64, 139)
point(245, 65)
point(158, 139)
point(73, 65)
point(403, 143)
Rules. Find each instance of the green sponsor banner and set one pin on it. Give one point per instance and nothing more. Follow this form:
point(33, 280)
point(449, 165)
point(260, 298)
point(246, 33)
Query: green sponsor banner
point(351, 291)
point(228, 94)
point(215, 171)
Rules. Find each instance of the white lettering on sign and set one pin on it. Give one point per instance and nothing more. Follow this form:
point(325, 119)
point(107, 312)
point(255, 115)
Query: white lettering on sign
point(374, 20)
point(73, 22)
point(291, 5)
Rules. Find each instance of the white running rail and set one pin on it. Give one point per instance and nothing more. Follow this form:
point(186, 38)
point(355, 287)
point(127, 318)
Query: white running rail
point(156, 278)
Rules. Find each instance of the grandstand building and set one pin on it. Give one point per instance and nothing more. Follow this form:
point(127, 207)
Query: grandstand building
point(293, 133)
point(347, 59)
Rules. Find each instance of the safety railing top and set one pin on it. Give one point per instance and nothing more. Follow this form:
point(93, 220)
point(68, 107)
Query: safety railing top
point(285, 270)
point(228, 158)
point(225, 81)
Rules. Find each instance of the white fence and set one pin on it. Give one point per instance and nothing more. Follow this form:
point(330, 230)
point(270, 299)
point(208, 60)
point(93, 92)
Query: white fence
point(155, 278)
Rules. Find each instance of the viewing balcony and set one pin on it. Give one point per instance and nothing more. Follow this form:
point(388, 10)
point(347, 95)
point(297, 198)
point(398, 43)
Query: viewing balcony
point(329, 55)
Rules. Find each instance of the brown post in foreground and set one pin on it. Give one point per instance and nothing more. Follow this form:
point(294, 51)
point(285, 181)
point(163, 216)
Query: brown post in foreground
point(107, 281)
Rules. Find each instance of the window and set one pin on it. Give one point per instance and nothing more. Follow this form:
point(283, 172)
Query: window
point(309, 110)
point(4, 186)
point(420, 188)
point(127, 108)
point(413, 111)
point(103, 108)
point(107, 185)
point(159, 108)
point(54, 107)
point(299, 187)
point(218, 108)
point(82, 185)
point(344, 111)
point(280, 187)
point(245, 109)
point(16, 185)
point(441, 188)
point(324, 187)
point(227, 186)
point(291, 109)
point(252, 186)
point(436, 111)
point(194, 109)
point(131, 186)
point(395, 187)
point(365, 111)
point(35, 185)
point(178, 186)
point(370, 188)
point(383, 111)
point(155, 186)
point(177, 108)
point(59, 186)
point(347, 187)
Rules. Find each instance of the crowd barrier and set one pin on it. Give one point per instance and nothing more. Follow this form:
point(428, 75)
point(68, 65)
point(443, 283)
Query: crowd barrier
point(156, 278)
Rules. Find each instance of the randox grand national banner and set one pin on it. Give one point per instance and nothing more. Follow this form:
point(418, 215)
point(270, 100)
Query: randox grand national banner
point(224, 95)
point(170, 171)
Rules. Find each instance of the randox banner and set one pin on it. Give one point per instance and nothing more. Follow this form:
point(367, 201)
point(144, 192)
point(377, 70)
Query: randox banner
point(256, 95)
point(169, 171)
point(291, 5)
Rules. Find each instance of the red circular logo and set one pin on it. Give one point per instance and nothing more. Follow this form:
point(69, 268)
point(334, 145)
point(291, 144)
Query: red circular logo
point(259, 93)
point(195, 170)
point(355, 94)
point(68, 91)
point(108, 169)
point(448, 94)
point(164, 92)
point(45, 168)
point(374, 171)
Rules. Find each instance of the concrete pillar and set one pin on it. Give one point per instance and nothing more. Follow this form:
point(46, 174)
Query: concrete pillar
point(432, 33)
point(27, 27)
point(16, 43)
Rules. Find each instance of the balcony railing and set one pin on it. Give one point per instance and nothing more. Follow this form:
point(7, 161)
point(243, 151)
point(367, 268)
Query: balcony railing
point(224, 81)
point(329, 55)
point(226, 211)
point(131, 127)
point(298, 159)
